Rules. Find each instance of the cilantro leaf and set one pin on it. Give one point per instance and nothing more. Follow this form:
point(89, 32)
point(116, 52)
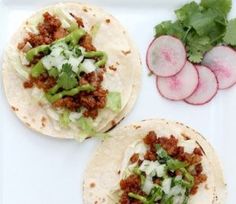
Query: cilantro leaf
point(203, 22)
point(169, 28)
point(67, 78)
point(53, 72)
point(163, 28)
point(230, 35)
point(197, 46)
point(221, 6)
point(184, 13)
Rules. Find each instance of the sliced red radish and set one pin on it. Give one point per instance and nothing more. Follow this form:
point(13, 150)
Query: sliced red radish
point(180, 86)
point(222, 61)
point(206, 89)
point(166, 56)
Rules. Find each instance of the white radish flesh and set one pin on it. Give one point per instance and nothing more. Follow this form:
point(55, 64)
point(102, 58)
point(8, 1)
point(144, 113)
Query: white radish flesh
point(222, 61)
point(166, 56)
point(207, 87)
point(180, 86)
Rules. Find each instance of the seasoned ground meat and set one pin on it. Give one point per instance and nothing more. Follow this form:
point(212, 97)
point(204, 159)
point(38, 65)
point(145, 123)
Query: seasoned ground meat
point(171, 146)
point(198, 169)
point(134, 158)
point(198, 180)
point(198, 151)
point(67, 102)
point(130, 184)
point(125, 199)
point(60, 33)
point(49, 30)
point(86, 42)
point(93, 101)
point(150, 155)
point(93, 78)
point(44, 81)
point(150, 138)
point(28, 84)
point(90, 101)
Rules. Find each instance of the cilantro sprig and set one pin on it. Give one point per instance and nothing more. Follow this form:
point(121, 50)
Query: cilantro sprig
point(67, 78)
point(201, 26)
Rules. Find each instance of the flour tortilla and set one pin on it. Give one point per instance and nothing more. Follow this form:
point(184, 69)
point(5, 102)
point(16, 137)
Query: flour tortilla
point(111, 37)
point(132, 100)
point(101, 175)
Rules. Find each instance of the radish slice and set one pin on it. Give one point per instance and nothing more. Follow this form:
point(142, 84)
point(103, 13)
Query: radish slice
point(206, 89)
point(166, 56)
point(180, 86)
point(222, 61)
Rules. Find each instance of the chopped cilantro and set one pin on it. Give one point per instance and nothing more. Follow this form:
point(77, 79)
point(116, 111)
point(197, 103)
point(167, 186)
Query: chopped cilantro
point(67, 78)
point(78, 51)
point(53, 72)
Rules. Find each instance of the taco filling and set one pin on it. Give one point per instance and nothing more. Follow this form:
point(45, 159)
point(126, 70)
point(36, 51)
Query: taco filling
point(161, 170)
point(64, 64)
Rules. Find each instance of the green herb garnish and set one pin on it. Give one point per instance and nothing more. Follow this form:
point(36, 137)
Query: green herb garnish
point(67, 79)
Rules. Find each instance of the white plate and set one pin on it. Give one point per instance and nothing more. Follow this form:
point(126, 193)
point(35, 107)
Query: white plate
point(35, 169)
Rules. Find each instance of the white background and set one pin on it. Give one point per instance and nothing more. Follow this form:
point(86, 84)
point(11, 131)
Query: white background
point(35, 169)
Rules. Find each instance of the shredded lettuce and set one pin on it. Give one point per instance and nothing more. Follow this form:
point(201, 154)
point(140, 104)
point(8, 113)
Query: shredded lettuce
point(114, 101)
point(87, 129)
point(64, 119)
point(86, 125)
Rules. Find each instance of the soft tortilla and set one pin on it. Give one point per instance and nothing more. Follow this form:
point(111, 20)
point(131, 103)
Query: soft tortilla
point(101, 175)
point(111, 37)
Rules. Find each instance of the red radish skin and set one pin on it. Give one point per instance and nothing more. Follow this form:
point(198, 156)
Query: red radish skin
point(222, 61)
point(180, 86)
point(206, 89)
point(166, 56)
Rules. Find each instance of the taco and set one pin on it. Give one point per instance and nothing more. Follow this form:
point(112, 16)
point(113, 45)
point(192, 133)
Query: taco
point(154, 161)
point(71, 71)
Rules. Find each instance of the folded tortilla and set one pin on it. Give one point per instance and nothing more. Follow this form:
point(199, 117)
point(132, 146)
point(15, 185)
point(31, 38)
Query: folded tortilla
point(110, 37)
point(103, 173)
